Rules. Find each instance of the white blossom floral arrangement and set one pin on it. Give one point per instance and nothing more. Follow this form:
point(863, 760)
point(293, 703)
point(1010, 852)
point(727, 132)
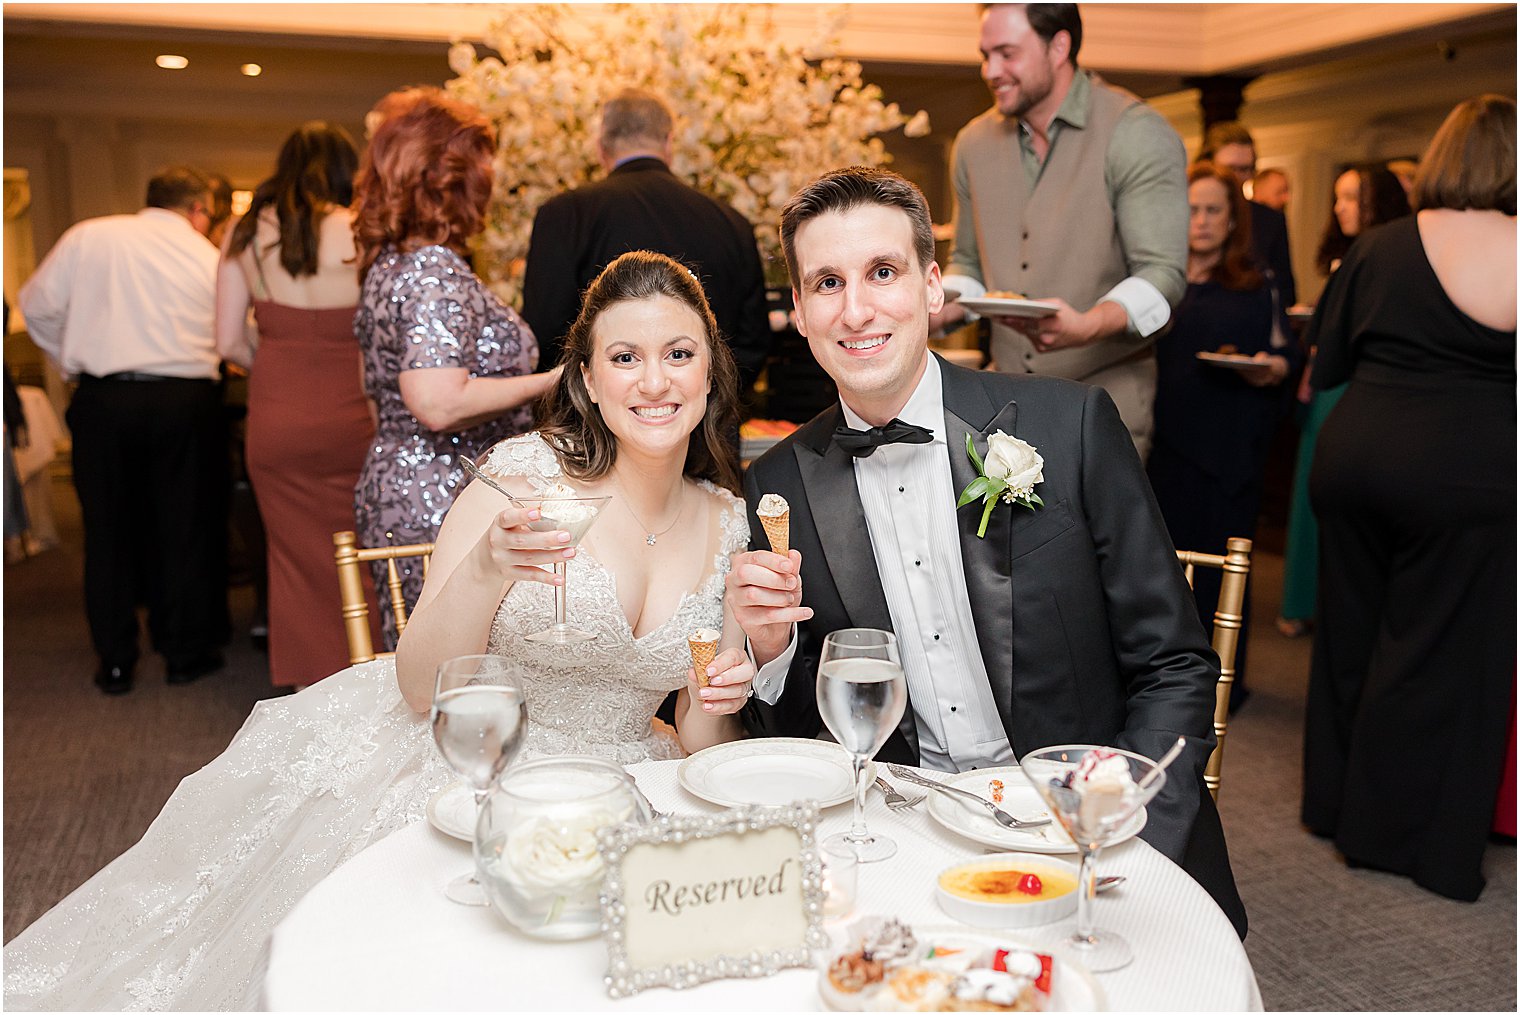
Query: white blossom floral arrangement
point(755, 118)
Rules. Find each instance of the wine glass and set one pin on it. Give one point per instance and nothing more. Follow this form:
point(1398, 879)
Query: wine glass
point(861, 696)
point(574, 515)
point(1093, 791)
point(480, 717)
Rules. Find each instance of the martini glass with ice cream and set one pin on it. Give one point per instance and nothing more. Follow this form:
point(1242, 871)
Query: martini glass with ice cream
point(560, 507)
point(1093, 791)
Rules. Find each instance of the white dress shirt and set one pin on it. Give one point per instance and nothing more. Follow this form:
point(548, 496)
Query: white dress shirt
point(127, 293)
point(909, 501)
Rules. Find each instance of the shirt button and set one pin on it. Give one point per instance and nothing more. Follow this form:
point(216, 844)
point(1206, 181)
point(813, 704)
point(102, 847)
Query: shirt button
point(899, 489)
point(918, 563)
point(1026, 234)
point(952, 708)
point(1025, 265)
point(936, 637)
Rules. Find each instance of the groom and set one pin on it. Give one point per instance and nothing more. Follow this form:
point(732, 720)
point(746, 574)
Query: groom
point(1066, 623)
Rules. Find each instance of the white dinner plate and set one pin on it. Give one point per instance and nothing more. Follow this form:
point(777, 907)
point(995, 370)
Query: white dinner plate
point(1230, 360)
point(452, 811)
point(771, 771)
point(1003, 306)
point(1019, 799)
point(1072, 986)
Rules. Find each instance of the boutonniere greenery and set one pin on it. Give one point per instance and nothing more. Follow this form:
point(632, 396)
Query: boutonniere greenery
point(1012, 470)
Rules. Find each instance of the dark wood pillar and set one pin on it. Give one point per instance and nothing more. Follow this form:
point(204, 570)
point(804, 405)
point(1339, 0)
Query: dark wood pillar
point(1220, 95)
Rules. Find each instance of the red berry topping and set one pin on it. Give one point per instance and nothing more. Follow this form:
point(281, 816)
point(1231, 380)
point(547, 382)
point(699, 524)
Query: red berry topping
point(1030, 884)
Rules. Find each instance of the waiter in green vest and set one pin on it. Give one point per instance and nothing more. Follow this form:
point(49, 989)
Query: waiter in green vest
point(1072, 191)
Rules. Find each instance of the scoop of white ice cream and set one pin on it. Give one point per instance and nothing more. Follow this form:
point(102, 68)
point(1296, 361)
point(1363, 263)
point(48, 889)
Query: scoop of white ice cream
point(772, 505)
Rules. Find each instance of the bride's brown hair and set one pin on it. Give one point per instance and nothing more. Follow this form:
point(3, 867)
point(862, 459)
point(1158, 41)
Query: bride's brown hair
point(572, 423)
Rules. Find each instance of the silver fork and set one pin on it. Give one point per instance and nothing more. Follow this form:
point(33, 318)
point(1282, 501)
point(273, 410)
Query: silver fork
point(999, 815)
point(895, 800)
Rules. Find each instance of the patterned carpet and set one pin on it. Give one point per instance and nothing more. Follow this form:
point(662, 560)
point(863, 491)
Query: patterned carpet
point(86, 774)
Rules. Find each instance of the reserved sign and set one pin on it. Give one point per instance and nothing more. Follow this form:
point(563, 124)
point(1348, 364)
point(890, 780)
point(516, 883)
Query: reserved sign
point(689, 899)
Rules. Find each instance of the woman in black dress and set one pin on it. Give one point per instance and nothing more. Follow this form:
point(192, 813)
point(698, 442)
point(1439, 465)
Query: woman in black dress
point(1414, 485)
point(1214, 421)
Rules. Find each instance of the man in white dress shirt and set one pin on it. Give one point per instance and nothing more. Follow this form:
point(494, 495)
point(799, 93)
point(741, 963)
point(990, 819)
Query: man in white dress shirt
point(1066, 623)
point(125, 304)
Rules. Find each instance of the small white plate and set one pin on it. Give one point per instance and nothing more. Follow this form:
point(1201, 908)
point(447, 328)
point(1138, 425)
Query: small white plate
point(1019, 799)
point(771, 771)
point(452, 811)
point(1230, 360)
point(1003, 306)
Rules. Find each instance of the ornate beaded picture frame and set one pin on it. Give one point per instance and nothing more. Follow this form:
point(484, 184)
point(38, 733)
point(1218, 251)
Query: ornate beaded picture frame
point(687, 899)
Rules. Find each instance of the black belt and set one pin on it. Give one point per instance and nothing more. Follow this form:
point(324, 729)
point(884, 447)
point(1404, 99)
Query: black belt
point(133, 375)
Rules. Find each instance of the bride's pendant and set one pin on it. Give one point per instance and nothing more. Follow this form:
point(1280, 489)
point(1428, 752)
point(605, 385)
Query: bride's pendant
point(649, 539)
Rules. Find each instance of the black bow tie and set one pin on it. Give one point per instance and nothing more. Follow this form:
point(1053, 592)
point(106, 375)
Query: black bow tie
point(863, 443)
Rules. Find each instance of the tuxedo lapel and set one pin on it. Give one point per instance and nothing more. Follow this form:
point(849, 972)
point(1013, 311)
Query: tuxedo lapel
point(828, 480)
point(987, 560)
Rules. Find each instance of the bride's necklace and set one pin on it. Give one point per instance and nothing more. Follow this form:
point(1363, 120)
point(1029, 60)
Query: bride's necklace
point(649, 534)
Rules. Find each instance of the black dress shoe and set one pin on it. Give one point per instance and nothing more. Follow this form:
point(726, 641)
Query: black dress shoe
point(114, 679)
point(187, 671)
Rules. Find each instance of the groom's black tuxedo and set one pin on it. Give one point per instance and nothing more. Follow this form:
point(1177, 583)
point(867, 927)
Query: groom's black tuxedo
point(1084, 620)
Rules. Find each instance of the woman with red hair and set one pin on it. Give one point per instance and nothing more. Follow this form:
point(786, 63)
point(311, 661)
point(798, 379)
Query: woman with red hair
point(1214, 419)
point(447, 364)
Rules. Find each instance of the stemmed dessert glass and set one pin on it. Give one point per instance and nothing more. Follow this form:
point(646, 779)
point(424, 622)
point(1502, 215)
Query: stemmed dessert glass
point(480, 717)
point(1093, 791)
point(861, 696)
point(574, 515)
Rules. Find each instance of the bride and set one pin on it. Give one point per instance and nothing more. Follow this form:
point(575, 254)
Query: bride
point(648, 392)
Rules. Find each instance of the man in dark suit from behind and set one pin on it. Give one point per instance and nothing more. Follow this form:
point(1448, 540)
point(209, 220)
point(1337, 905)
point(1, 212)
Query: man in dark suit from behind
point(642, 205)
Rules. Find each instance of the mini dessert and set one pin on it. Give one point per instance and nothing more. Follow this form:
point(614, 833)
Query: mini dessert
point(883, 944)
point(995, 788)
point(703, 643)
point(1004, 294)
point(775, 515)
point(1000, 881)
point(1101, 781)
point(948, 973)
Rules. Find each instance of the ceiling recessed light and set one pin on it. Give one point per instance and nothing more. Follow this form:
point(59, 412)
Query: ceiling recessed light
point(171, 61)
point(251, 70)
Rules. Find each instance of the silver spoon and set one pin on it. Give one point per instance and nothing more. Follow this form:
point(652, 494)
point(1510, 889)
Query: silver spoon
point(475, 470)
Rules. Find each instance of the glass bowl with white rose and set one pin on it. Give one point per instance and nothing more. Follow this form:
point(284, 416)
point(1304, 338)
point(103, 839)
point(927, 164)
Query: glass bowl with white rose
point(535, 842)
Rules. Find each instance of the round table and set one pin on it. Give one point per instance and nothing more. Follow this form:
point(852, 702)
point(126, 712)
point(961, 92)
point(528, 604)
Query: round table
point(378, 933)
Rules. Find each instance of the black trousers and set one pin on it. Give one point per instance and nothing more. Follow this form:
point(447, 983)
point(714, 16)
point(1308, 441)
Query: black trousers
point(150, 467)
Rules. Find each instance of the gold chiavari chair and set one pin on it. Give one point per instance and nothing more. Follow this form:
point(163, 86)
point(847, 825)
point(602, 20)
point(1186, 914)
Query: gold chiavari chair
point(1235, 562)
point(350, 557)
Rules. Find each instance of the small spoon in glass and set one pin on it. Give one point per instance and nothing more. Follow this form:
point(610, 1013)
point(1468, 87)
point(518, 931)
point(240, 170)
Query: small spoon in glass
point(475, 470)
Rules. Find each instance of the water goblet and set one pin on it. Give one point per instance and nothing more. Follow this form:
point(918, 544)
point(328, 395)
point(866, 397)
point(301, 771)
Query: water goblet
point(1093, 791)
point(575, 516)
point(861, 696)
point(479, 716)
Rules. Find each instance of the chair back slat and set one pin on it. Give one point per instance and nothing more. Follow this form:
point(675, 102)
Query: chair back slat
point(1235, 563)
point(349, 557)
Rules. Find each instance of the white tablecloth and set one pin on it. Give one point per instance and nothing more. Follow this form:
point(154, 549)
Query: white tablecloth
point(379, 934)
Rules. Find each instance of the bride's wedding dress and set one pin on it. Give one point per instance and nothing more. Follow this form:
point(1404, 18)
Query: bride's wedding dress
point(179, 921)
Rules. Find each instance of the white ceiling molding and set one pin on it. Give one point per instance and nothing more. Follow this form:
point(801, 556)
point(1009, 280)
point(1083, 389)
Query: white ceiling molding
point(1207, 38)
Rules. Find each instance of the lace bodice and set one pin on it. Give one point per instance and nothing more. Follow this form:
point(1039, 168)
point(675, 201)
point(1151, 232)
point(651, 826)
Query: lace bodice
point(598, 697)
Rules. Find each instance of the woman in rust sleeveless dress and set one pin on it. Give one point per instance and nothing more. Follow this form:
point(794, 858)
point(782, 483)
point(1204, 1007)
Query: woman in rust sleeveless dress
point(309, 425)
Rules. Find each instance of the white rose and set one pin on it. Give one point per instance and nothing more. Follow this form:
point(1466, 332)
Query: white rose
point(1014, 462)
point(560, 857)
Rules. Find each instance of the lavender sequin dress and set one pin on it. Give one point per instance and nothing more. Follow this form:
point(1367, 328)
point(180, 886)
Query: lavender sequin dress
point(417, 311)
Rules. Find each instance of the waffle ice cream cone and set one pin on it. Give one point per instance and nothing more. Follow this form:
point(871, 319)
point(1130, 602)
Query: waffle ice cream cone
point(775, 516)
point(703, 643)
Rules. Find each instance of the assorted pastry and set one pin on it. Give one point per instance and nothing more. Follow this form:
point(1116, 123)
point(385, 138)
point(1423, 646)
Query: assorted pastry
point(884, 967)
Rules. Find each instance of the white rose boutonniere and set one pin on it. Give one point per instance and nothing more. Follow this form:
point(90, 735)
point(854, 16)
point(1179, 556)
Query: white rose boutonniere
point(1012, 470)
